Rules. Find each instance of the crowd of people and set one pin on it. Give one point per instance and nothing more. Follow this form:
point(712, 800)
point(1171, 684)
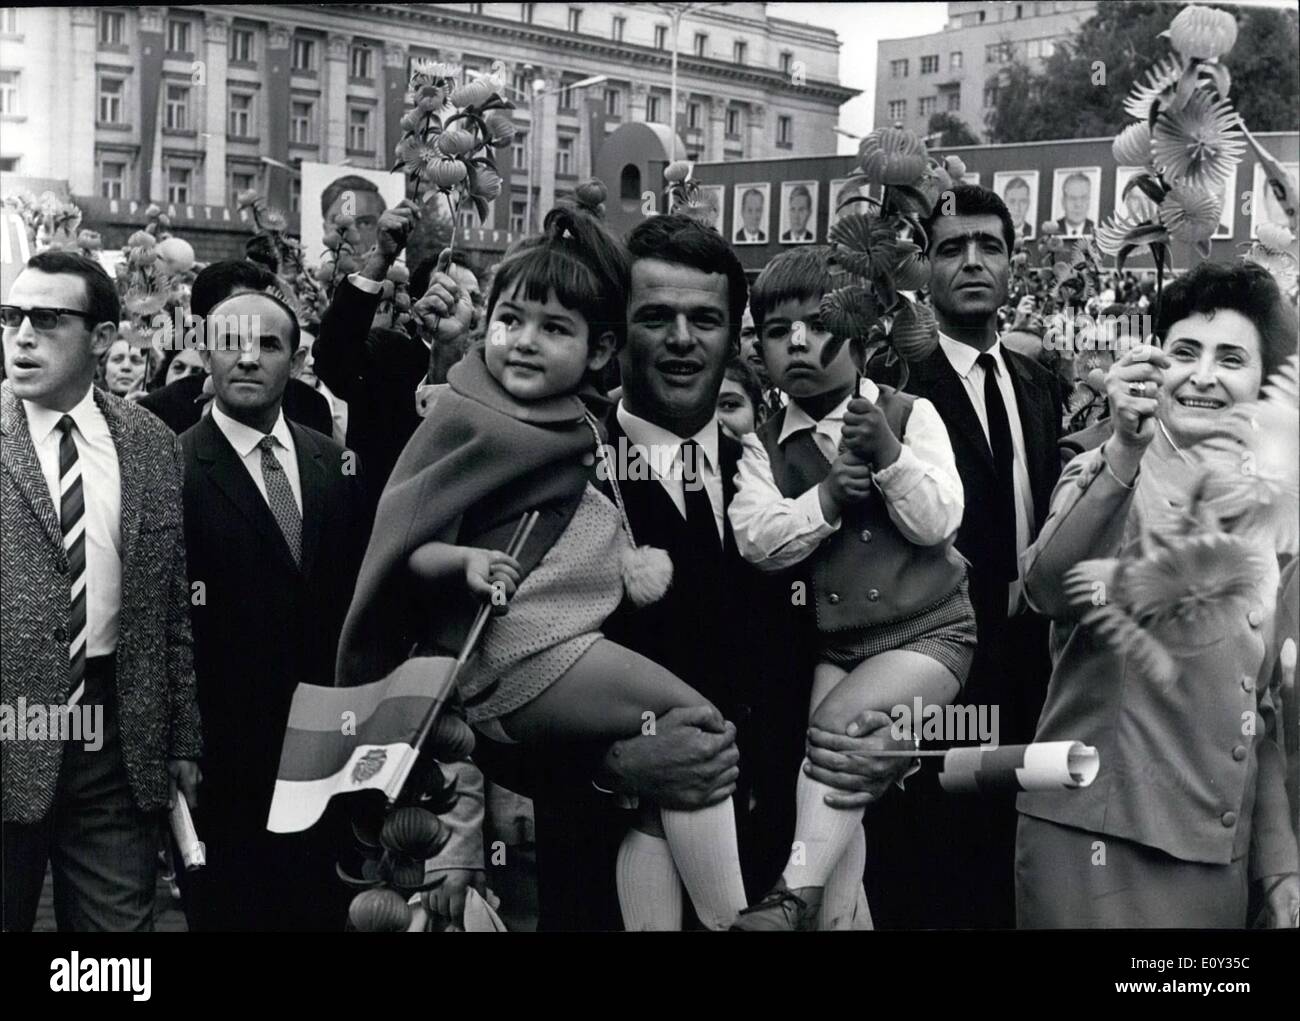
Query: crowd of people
point(693, 659)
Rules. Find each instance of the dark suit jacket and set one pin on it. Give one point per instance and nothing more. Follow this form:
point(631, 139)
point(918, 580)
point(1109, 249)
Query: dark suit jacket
point(731, 633)
point(175, 405)
point(376, 371)
point(762, 236)
point(1088, 227)
point(157, 710)
point(264, 626)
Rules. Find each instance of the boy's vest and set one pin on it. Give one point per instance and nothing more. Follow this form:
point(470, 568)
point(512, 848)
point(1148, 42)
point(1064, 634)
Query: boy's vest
point(866, 573)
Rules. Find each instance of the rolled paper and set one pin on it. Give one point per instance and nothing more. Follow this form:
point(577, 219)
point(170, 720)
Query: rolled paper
point(1043, 766)
point(193, 853)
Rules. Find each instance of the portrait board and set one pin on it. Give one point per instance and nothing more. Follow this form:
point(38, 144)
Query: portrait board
point(750, 213)
point(1019, 190)
point(328, 189)
point(1076, 199)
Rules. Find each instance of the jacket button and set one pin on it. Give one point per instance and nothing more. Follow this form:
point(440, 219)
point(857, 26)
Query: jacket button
point(1247, 683)
point(1239, 753)
point(60, 635)
point(1228, 819)
point(61, 567)
point(588, 459)
point(873, 595)
point(833, 598)
point(865, 535)
point(1255, 618)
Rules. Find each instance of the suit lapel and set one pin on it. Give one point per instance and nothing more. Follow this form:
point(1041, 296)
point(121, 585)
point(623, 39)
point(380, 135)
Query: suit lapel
point(132, 475)
point(311, 476)
point(18, 456)
point(936, 379)
point(1032, 403)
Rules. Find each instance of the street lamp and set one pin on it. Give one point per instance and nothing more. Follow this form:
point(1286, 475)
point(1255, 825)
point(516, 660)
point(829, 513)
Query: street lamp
point(677, 11)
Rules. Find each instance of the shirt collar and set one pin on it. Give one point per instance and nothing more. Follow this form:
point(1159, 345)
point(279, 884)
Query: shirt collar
point(660, 446)
point(962, 356)
point(245, 438)
point(796, 418)
point(41, 421)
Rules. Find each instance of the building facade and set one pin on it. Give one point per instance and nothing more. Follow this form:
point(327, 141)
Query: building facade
point(190, 105)
point(955, 71)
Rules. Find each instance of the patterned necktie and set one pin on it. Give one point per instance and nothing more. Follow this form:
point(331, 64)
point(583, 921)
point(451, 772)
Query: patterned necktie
point(701, 524)
point(72, 519)
point(1003, 464)
point(280, 497)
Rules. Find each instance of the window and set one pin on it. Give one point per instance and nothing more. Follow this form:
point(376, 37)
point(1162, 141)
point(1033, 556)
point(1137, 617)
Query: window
point(295, 194)
point(930, 64)
point(302, 114)
point(692, 115)
point(991, 95)
point(112, 27)
point(112, 179)
point(362, 62)
point(701, 44)
point(784, 131)
point(520, 81)
point(1040, 48)
point(8, 164)
point(178, 108)
point(787, 61)
point(9, 20)
point(954, 60)
point(619, 27)
point(242, 180)
point(526, 12)
point(661, 37)
point(241, 114)
point(518, 211)
point(898, 68)
point(110, 100)
point(519, 152)
point(997, 53)
point(898, 110)
point(740, 51)
point(927, 105)
point(564, 156)
point(178, 35)
point(8, 92)
point(241, 45)
point(304, 55)
point(652, 105)
point(359, 128)
point(575, 19)
point(567, 98)
point(954, 101)
point(733, 121)
point(613, 103)
point(179, 181)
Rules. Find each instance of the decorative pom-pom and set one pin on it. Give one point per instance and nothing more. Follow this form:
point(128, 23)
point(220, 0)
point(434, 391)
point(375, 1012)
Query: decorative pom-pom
point(647, 573)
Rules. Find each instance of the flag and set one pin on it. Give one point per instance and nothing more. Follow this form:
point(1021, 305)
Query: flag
point(340, 740)
point(1042, 766)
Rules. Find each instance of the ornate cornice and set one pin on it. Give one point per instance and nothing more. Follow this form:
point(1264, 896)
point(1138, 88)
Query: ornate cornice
point(83, 17)
point(216, 28)
point(151, 19)
point(336, 46)
point(277, 37)
point(395, 55)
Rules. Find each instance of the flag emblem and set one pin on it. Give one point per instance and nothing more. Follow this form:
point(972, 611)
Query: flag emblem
point(370, 764)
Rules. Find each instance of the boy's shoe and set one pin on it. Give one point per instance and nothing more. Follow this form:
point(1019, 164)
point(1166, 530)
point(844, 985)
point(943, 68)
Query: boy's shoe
point(782, 910)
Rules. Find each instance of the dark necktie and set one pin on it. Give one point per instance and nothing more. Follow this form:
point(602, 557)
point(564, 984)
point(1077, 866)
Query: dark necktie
point(72, 519)
point(279, 495)
point(701, 525)
point(1003, 464)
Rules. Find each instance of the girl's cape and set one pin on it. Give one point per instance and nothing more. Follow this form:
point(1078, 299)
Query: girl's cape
point(469, 473)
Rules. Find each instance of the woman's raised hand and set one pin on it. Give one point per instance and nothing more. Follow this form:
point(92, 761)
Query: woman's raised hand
point(1132, 386)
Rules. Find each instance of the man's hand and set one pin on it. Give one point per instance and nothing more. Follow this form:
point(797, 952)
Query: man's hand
point(393, 230)
point(867, 434)
point(1283, 903)
point(185, 774)
point(849, 482)
point(843, 761)
point(690, 761)
point(446, 310)
point(447, 900)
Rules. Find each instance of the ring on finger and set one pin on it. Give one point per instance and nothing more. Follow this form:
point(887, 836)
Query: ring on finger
point(1137, 388)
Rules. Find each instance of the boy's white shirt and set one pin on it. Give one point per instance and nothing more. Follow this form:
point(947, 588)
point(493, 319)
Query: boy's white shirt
point(922, 489)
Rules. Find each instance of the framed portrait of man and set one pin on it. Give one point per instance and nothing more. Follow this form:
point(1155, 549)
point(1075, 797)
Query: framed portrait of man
point(1019, 190)
point(328, 190)
point(712, 198)
point(1076, 200)
point(842, 189)
point(749, 216)
point(1264, 207)
point(798, 222)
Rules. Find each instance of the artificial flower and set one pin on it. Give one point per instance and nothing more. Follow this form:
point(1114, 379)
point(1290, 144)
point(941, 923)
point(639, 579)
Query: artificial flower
point(892, 156)
point(1191, 213)
point(1202, 33)
point(1160, 84)
point(1199, 143)
point(1132, 146)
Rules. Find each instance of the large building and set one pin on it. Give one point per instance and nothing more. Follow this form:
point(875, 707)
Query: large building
point(955, 71)
point(190, 105)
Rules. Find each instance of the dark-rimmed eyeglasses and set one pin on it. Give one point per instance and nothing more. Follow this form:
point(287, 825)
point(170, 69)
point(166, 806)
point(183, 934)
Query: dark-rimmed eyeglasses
point(11, 316)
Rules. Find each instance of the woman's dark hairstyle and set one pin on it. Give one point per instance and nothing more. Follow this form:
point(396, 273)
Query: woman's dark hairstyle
point(1243, 287)
point(676, 238)
point(580, 261)
point(739, 371)
point(102, 302)
point(972, 200)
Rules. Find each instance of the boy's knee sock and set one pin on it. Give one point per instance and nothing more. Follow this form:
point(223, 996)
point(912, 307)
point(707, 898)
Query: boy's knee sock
point(704, 848)
point(649, 890)
point(844, 888)
point(821, 834)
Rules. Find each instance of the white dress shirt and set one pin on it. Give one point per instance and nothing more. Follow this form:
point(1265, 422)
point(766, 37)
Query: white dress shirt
point(922, 489)
point(662, 452)
point(338, 412)
point(101, 484)
point(962, 358)
point(245, 440)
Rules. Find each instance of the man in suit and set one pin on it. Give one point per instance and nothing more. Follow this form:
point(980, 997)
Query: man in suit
point(94, 611)
point(937, 860)
point(753, 206)
point(272, 514)
point(800, 211)
point(376, 368)
point(1076, 200)
point(180, 404)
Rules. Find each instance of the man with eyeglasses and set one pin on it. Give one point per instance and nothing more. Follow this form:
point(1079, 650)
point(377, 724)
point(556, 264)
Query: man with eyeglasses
point(94, 612)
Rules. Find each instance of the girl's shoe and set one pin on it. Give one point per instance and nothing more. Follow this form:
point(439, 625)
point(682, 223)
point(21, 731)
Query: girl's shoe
point(782, 910)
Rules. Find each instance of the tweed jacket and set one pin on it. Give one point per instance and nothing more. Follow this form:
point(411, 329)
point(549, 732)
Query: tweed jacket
point(157, 707)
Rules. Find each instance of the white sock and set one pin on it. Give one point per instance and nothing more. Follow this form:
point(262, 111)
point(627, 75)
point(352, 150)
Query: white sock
point(844, 902)
point(821, 834)
point(649, 890)
point(704, 848)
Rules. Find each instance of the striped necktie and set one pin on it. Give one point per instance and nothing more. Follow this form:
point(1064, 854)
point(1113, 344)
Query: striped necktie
point(72, 519)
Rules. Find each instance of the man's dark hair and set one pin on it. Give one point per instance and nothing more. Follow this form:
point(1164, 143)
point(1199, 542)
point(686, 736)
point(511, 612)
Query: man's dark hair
point(676, 238)
point(1243, 287)
point(102, 302)
point(1015, 182)
point(802, 274)
point(972, 200)
point(218, 280)
point(261, 250)
point(352, 182)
